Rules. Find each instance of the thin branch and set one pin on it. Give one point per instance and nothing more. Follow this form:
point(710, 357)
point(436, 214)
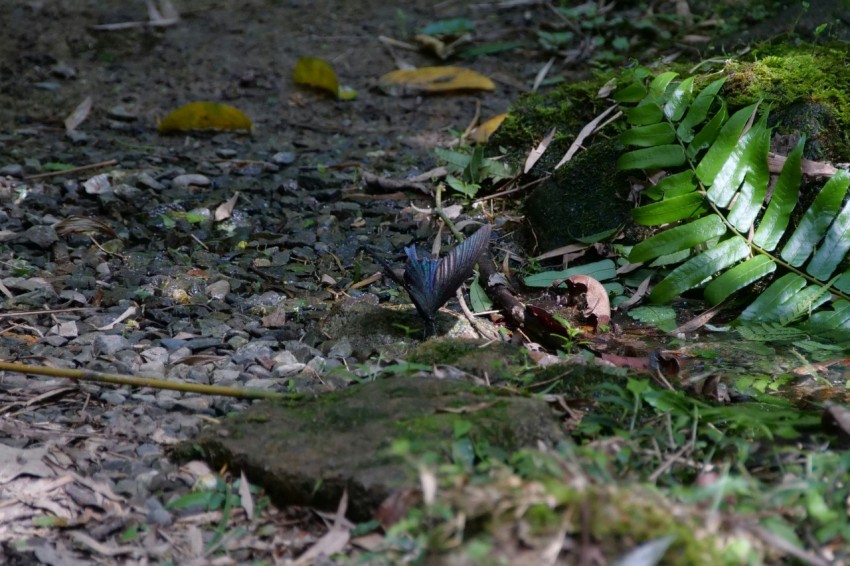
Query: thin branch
point(133, 381)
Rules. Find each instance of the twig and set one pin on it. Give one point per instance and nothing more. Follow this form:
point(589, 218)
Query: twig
point(479, 327)
point(51, 311)
point(74, 170)
point(133, 381)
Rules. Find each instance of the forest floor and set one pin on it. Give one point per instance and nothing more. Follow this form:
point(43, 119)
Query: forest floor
point(133, 273)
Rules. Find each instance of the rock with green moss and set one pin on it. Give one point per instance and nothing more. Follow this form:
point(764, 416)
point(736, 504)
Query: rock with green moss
point(584, 197)
point(311, 452)
point(806, 89)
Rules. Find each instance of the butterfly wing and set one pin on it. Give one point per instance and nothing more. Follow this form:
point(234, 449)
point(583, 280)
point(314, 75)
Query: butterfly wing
point(432, 282)
point(457, 265)
point(419, 277)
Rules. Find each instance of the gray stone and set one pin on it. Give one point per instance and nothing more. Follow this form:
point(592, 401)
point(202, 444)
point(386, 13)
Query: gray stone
point(283, 158)
point(41, 236)
point(252, 351)
point(308, 454)
point(109, 344)
point(12, 170)
point(113, 397)
point(185, 181)
point(158, 514)
point(121, 112)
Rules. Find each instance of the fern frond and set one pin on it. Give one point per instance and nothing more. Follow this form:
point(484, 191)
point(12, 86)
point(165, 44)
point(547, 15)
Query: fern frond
point(714, 206)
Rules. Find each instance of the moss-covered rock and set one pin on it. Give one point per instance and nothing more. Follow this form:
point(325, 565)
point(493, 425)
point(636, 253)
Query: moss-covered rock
point(311, 452)
point(806, 87)
point(584, 197)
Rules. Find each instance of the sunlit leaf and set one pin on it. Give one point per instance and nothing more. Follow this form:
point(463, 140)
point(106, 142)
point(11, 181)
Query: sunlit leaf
point(678, 238)
point(204, 116)
point(738, 277)
point(785, 192)
point(645, 113)
point(673, 185)
point(652, 157)
point(659, 84)
point(670, 210)
point(661, 316)
point(483, 132)
point(706, 136)
point(600, 270)
point(698, 111)
point(816, 220)
point(727, 141)
point(742, 159)
point(698, 269)
point(433, 80)
point(318, 73)
point(648, 136)
point(752, 191)
point(677, 104)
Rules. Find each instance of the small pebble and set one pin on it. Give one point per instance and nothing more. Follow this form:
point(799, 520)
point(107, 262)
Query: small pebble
point(12, 170)
point(283, 158)
point(63, 71)
point(122, 113)
point(41, 236)
point(47, 85)
point(158, 514)
point(113, 397)
point(226, 152)
point(77, 137)
point(109, 344)
point(184, 181)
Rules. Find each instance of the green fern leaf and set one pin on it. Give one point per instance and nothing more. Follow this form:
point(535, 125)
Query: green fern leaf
point(718, 222)
point(679, 238)
point(785, 194)
point(816, 220)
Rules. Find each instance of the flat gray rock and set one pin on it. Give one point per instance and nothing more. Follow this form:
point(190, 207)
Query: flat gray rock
point(309, 452)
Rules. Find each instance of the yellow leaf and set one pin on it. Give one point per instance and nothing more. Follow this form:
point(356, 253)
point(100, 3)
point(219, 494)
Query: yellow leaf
point(204, 116)
point(433, 80)
point(317, 73)
point(483, 132)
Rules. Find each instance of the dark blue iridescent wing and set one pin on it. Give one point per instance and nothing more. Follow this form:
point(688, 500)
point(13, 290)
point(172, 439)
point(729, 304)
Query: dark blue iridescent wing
point(432, 282)
point(419, 281)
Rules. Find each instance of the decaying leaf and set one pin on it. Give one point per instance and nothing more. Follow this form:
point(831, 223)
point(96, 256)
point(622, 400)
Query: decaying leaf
point(83, 225)
point(433, 80)
point(536, 153)
point(482, 133)
point(78, 116)
point(204, 116)
point(225, 209)
point(318, 73)
point(598, 306)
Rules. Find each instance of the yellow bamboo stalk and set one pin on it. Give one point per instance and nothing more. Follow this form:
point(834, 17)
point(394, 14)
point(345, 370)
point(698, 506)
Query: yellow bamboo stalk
point(153, 382)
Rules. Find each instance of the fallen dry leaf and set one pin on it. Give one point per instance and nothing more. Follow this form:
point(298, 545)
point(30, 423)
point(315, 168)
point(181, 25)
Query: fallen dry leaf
point(225, 209)
point(78, 116)
point(407, 82)
point(197, 116)
point(598, 306)
point(536, 153)
point(482, 133)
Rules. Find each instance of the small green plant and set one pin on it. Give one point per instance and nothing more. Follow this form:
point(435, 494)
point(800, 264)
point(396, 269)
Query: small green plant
point(468, 169)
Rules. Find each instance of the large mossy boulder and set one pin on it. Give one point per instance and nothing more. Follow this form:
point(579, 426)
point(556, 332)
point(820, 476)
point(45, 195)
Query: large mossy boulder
point(311, 452)
point(586, 196)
